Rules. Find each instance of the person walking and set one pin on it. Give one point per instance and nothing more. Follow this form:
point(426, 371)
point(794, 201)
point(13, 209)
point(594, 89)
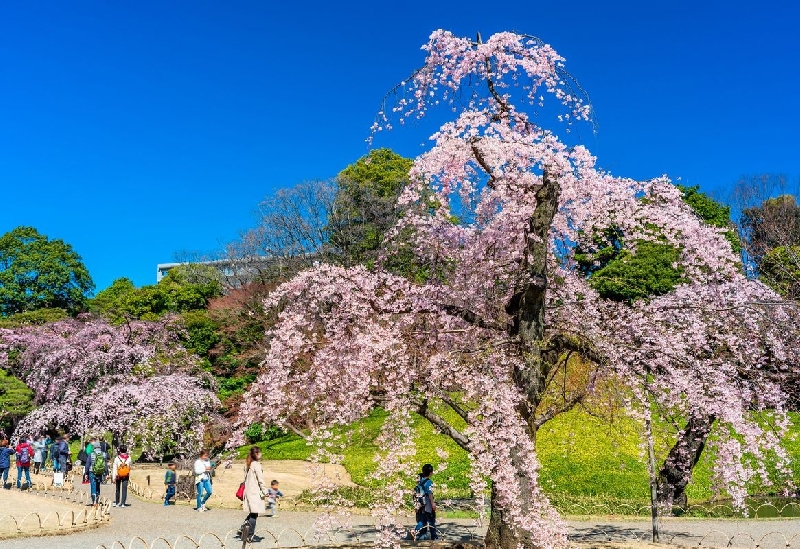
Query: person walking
point(254, 490)
point(94, 471)
point(426, 506)
point(24, 453)
point(120, 473)
point(171, 482)
point(202, 480)
point(5, 461)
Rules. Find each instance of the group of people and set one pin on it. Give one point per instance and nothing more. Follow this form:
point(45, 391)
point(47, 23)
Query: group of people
point(36, 453)
point(255, 494)
point(96, 471)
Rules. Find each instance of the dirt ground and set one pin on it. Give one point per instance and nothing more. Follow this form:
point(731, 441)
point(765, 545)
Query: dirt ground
point(23, 513)
point(293, 476)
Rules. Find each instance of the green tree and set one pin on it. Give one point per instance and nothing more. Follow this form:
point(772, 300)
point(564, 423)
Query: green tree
point(180, 291)
point(33, 318)
point(712, 212)
point(39, 273)
point(16, 401)
point(365, 206)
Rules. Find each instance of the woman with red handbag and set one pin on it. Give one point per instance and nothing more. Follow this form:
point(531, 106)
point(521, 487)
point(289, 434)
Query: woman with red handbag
point(252, 494)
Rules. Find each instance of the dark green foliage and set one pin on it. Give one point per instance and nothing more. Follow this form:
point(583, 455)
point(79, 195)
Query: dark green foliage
point(651, 270)
point(16, 401)
point(39, 273)
point(203, 331)
point(231, 385)
point(257, 432)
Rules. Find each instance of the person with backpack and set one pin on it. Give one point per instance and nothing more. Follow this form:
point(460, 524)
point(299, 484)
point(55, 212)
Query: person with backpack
point(94, 471)
point(120, 474)
point(5, 460)
point(24, 453)
point(425, 505)
point(86, 451)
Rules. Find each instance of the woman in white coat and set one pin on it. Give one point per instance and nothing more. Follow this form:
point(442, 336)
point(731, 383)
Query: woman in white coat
point(254, 490)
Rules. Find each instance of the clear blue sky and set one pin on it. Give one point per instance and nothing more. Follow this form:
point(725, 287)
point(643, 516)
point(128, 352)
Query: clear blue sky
point(135, 132)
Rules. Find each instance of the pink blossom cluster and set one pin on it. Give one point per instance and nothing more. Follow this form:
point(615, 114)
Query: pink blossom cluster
point(135, 380)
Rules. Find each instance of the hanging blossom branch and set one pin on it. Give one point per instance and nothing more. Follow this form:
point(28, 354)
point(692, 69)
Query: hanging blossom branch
point(506, 275)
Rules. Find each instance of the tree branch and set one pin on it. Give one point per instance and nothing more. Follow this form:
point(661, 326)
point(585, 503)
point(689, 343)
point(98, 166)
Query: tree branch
point(439, 422)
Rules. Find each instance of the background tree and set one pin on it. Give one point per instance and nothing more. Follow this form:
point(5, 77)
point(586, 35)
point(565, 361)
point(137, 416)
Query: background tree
point(365, 207)
point(770, 228)
point(650, 270)
point(16, 401)
point(178, 292)
point(472, 350)
point(290, 233)
point(134, 379)
point(38, 273)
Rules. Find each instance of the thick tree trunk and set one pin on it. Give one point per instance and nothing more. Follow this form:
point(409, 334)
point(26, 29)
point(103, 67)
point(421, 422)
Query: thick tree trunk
point(527, 311)
point(501, 533)
point(676, 472)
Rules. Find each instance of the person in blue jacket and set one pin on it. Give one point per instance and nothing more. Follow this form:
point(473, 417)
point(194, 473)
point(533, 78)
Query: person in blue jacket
point(5, 460)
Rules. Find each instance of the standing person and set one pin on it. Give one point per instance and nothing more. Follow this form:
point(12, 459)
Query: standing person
point(5, 460)
point(24, 453)
point(105, 448)
point(272, 497)
point(39, 448)
point(120, 473)
point(64, 454)
point(93, 471)
point(202, 480)
point(54, 456)
point(170, 481)
point(426, 506)
point(254, 491)
point(86, 452)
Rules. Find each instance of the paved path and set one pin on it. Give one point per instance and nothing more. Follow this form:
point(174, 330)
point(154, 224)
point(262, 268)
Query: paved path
point(150, 521)
point(764, 533)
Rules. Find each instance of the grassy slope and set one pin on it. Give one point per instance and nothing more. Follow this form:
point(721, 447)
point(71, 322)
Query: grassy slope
point(582, 457)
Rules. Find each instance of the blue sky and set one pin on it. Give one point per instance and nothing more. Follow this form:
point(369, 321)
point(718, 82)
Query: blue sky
point(137, 132)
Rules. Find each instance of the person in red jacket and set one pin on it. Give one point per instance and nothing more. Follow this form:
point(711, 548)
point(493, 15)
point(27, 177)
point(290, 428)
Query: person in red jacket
point(24, 452)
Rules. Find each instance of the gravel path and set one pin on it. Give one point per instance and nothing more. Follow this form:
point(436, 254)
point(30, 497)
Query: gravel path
point(150, 521)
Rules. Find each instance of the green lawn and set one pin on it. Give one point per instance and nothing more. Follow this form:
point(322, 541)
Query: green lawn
point(584, 459)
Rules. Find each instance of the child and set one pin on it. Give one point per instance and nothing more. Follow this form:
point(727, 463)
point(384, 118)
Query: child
point(272, 497)
point(170, 481)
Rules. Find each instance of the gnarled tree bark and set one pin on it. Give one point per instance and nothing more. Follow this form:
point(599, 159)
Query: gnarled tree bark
point(676, 472)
